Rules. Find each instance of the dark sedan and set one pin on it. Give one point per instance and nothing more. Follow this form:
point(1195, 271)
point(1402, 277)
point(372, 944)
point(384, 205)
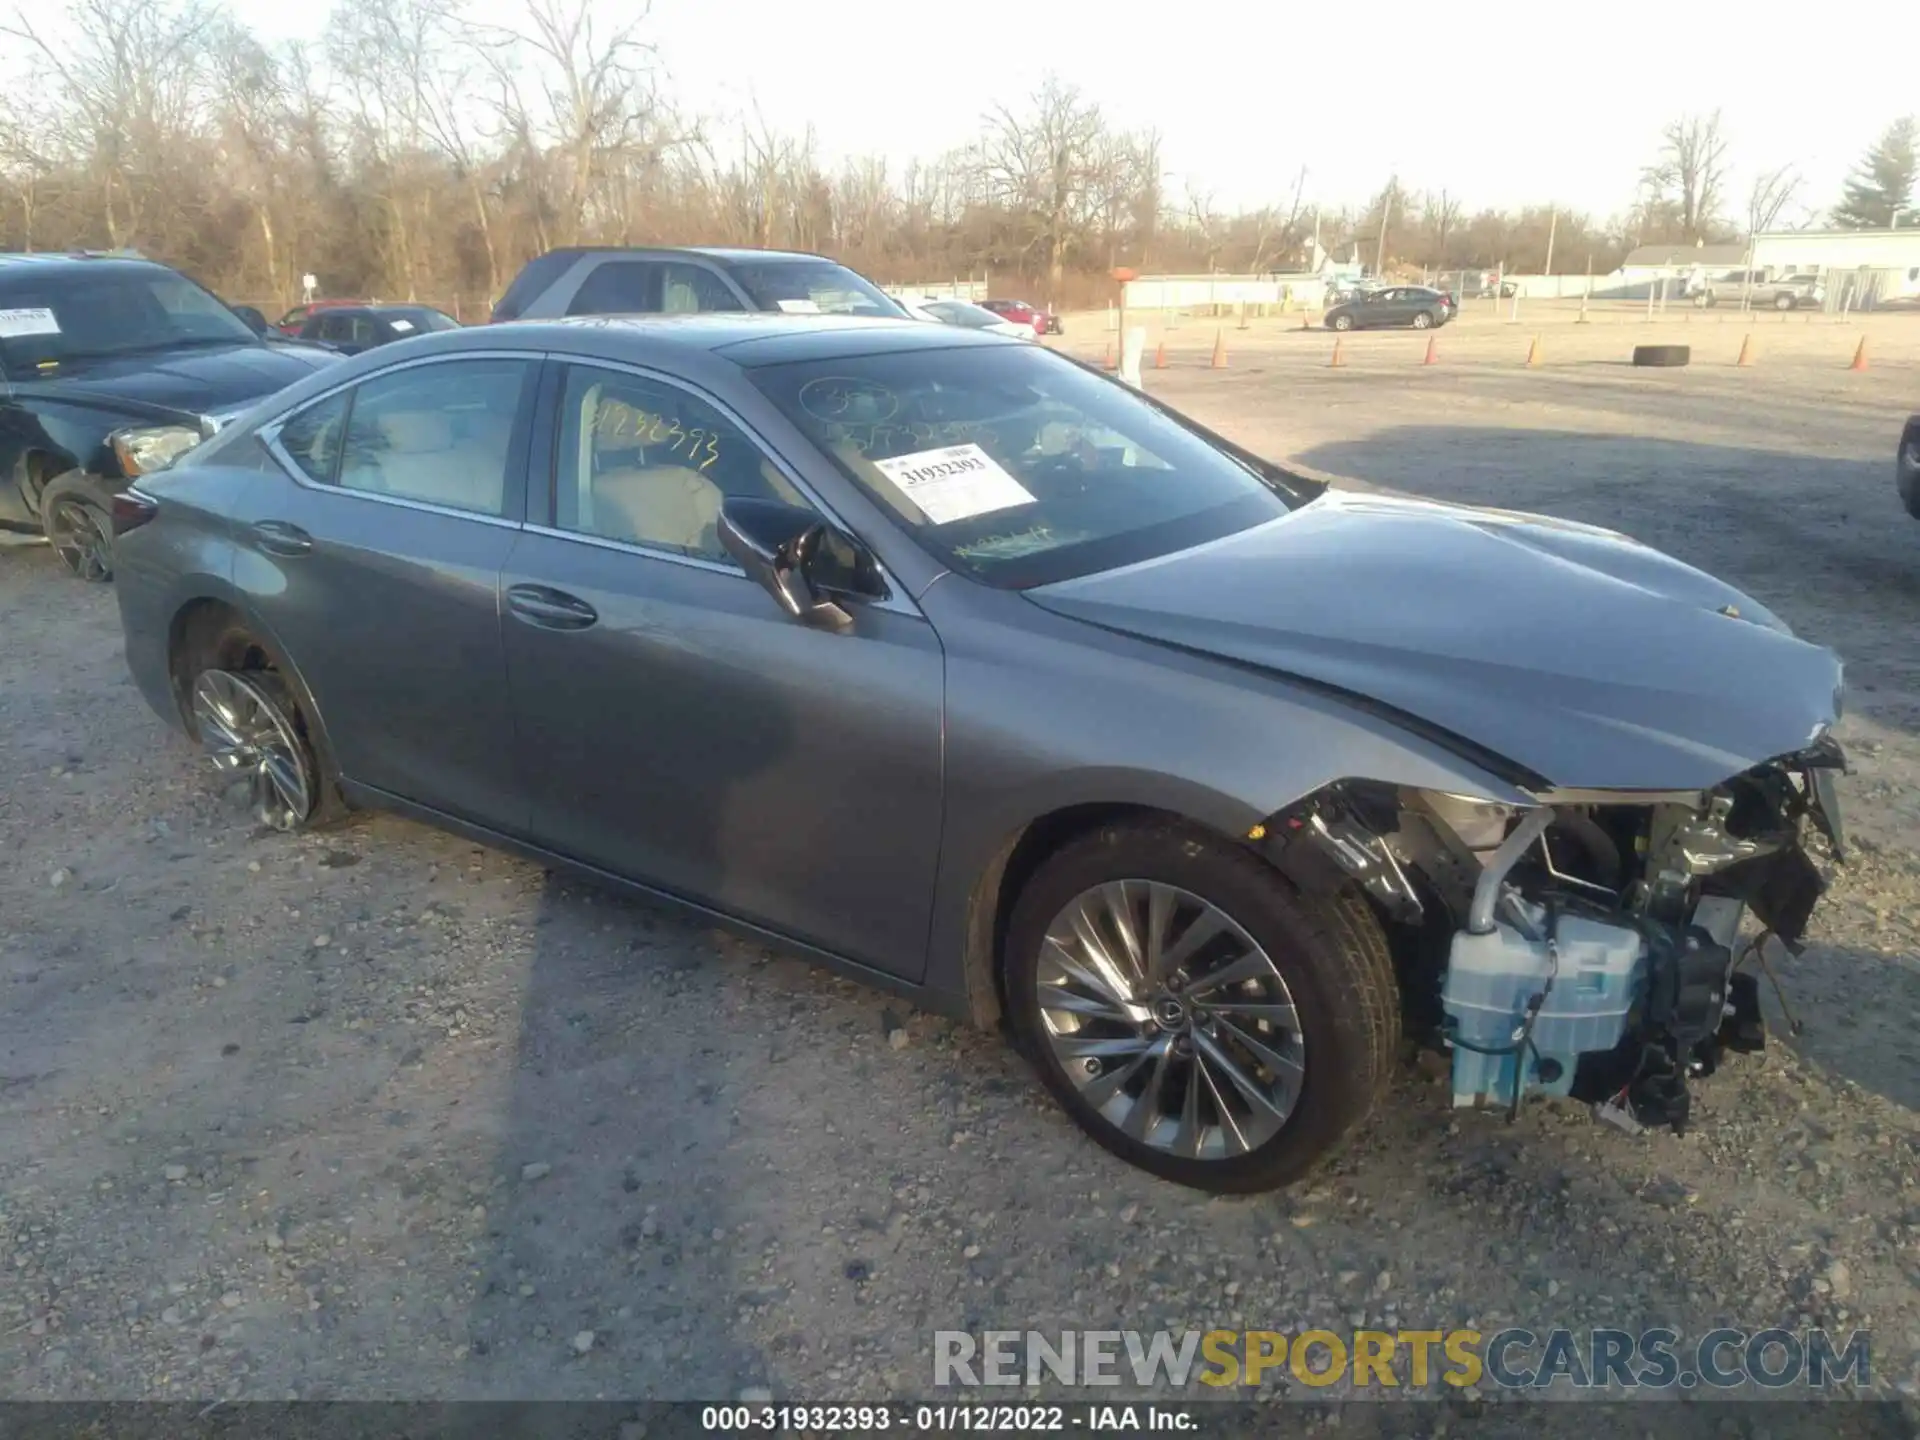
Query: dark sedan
point(959, 667)
point(1401, 306)
point(351, 329)
point(110, 366)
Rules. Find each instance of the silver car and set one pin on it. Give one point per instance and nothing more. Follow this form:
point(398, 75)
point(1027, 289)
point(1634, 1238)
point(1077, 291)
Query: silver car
point(961, 668)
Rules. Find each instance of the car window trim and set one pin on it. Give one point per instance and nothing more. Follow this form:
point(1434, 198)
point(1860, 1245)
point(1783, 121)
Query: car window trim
point(895, 599)
point(518, 447)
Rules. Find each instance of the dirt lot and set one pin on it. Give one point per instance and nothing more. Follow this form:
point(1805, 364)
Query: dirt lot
point(380, 1114)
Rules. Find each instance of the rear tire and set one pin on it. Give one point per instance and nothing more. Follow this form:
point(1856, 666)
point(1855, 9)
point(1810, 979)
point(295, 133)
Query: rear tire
point(76, 514)
point(249, 723)
point(1340, 322)
point(1313, 990)
point(1907, 472)
point(1784, 302)
point(1422, 321)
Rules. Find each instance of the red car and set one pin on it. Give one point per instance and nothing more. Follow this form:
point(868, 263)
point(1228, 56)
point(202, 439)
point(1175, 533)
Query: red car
point(1021, 313)
point(290, 323)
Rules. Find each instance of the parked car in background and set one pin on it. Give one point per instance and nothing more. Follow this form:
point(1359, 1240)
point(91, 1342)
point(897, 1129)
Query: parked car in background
point(110, 368)
point(967, 316)
point(295, 319)
point(1394, 305)
point(1021, 312)
point(620, 280)
point(353, 328)
point(1786, 292)
point(961, 668)
point(1906, 467)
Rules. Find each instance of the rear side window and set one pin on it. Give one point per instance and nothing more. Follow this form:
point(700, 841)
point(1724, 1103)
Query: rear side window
point(311, 438)
point(441, 434)
point(685, 289)
point(619, 287)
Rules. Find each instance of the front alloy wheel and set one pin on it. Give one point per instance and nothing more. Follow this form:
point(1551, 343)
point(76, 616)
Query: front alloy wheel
point(1172, 1021)
point(246, 726)
point(1192, 1011)
point(80, 536)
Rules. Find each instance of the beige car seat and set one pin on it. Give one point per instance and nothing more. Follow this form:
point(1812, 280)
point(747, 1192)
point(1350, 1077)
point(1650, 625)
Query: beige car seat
point(670, 506)
point(420, 459)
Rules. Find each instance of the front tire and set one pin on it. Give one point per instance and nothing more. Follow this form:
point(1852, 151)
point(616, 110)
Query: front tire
point(76, 514)
point(250, 728)
point(1193, 1012)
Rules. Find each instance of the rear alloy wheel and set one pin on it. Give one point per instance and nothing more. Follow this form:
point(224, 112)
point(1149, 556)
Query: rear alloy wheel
point(1192, 1012)
point(1783, 301)
point(1340, 322)
point(1422, 320)
point(77, 515)
point(246, 724)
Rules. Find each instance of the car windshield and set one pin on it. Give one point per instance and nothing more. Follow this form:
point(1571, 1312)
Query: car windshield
point(413, 320)
point(1016, 466)
point(88, 313)
point(811, 287)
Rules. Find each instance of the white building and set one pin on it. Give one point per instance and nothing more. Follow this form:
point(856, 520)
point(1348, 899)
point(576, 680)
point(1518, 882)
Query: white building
point(1878, 265)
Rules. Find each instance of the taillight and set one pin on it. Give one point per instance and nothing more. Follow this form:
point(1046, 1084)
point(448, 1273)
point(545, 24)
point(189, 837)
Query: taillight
point(131, 510)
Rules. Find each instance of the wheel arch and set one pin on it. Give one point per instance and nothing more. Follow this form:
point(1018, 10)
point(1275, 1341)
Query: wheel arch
point(211, 618)
point(1014, 861)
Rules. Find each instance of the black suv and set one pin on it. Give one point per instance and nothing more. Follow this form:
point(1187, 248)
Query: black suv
point(111, 367)
point(622, 280)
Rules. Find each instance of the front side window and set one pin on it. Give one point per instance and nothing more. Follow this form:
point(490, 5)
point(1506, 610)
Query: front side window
point(440, 433)
point(649, 464)
point(1016, 466)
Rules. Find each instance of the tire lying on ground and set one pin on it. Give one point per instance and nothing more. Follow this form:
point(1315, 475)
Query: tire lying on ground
point(1662, 354)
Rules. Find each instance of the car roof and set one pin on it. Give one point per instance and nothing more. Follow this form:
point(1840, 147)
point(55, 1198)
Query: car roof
point(746, 338)
point(724, 253)
point(14, 266)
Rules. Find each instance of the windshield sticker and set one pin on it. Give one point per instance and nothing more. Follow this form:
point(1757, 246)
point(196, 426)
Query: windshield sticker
point(798, 307)
point(401, 325)
point(14, 323)
point(955, 483)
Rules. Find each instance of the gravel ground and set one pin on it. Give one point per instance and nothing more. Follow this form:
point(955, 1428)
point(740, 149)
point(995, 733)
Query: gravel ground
point(380, 1114)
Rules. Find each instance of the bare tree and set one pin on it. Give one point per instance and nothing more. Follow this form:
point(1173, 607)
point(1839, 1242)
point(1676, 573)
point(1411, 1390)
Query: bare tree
point(1041, 166)
point(1690, 173)
point(1772, 192)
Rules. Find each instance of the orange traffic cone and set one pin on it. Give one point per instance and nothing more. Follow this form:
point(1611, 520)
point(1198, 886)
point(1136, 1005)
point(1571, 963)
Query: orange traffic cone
point(1533, 352)
point(1219, 351)
point(1860, 356)
point(1746, 351)
point(1433, 357)
point(1336, 360)
point(1160, 356)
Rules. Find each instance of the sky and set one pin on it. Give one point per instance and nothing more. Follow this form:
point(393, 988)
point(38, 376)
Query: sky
point(1553, 104)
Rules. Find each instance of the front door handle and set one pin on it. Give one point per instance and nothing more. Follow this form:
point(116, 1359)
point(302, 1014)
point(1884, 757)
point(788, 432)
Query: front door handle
point(277, 537)
point(550, 609)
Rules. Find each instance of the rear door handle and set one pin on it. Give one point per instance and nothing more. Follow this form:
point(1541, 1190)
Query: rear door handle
point(277, 537)
point(550, 609)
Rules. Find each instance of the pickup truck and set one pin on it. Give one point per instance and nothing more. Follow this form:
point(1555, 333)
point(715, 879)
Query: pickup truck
point(1785, 292)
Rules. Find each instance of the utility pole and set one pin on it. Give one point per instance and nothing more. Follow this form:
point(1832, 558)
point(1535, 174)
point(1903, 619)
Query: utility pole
point(1386, 214)
point(1553, 224)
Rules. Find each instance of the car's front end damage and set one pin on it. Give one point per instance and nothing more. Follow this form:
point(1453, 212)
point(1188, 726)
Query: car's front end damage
point(1590, 943)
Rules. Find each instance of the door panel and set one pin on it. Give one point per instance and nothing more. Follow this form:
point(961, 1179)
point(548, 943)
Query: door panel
point(696, 739)
point(678, 728)
point(387, 602)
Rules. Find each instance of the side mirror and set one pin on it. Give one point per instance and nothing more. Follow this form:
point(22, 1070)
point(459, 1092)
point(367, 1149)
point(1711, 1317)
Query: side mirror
point(781, 546)
point(251, 318)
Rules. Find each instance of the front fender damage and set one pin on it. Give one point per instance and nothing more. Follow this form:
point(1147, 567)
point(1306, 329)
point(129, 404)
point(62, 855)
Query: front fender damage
point(1584, 943)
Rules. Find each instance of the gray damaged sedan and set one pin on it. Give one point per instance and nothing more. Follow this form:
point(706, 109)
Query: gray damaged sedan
point(963, 669)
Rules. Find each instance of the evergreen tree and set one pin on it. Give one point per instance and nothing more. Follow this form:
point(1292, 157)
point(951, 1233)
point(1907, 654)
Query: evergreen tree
point(1883, 182)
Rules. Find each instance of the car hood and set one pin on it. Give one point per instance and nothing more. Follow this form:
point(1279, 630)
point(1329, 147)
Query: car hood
point(1583, 656)
point(200, 380)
